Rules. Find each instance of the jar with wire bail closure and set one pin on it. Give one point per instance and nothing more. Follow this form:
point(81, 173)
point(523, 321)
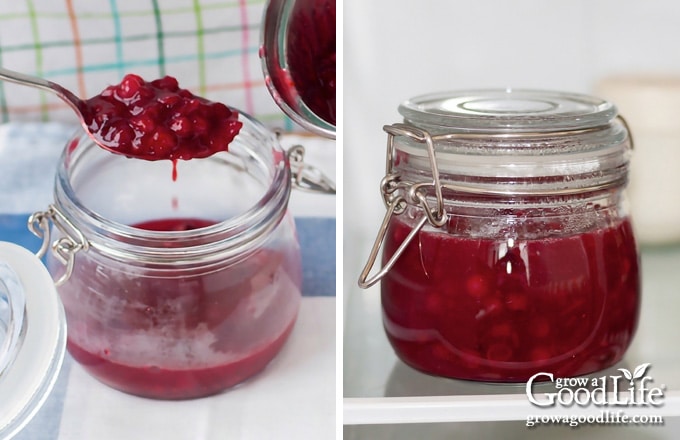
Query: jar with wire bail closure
point(177, 289)
point(507, 243)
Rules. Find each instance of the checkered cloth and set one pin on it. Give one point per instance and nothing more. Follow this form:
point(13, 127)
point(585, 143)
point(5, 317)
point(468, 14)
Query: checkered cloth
point(210, 46)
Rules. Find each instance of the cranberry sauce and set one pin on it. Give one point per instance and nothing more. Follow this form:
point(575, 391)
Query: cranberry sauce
point(503, 310)
point(169, 383)
point(181, 336)
point(174, 224)
point(311, 55)
point(159, 120)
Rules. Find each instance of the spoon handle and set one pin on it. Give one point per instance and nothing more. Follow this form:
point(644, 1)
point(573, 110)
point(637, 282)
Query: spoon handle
point(26, 80)
point(41, 83)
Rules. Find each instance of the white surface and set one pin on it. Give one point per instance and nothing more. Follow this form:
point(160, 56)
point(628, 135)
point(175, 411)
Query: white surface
point(28, 381)
point(651, 106)
point(513, 430)
point(476, 408)
point(294, 398)
point(29, 154)
point(379, 389)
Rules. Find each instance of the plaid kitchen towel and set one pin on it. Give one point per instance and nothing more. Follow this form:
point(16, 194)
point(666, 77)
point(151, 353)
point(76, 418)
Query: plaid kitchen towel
point(210, 46)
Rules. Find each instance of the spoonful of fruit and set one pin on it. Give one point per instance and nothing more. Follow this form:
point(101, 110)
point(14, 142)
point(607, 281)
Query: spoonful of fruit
point(147, 120)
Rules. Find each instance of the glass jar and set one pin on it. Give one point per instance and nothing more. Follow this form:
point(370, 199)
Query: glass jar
point(298, 61)
point(508, 247)
point(176, 287)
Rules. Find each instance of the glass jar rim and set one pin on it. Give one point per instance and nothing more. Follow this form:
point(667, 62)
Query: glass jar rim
point(504, 135)
point(227, 238)
point(507, 110)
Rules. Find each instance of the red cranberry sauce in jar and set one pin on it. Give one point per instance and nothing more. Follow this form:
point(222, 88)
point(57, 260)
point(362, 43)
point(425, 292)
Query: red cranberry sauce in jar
point(158, 120)
point(503, 309)
point(311, 55)
point(178, 337)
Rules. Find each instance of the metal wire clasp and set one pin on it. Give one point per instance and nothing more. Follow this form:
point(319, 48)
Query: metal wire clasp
point(65, 247)
point(397, 195)
point(307, 177)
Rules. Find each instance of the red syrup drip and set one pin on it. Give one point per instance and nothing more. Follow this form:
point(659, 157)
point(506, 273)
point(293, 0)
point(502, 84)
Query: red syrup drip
point(500, 310)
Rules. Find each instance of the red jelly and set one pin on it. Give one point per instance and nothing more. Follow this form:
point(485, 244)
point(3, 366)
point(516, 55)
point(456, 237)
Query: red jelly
point(159, 120)
point(311, 55)
point(183, 335)
point(503, 309)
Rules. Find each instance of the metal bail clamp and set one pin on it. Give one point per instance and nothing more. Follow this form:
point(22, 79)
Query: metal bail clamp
point(64, 248)
point(397, 195)
point(306, 177)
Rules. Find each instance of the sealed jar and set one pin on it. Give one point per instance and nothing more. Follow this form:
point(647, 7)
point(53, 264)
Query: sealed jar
point(507, 244)
point(175, 287)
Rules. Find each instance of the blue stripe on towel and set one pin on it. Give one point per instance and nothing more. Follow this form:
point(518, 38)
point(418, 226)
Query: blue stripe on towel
point(316, 235)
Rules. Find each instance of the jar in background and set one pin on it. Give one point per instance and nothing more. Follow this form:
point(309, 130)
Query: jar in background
point(176, 289)
point(508, 246)
point(298, 61)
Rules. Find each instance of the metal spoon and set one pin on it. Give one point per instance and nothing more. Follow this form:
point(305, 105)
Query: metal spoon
point(77, 104)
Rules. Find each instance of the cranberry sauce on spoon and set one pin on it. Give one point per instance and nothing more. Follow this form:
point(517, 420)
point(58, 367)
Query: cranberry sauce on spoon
point(158, 120)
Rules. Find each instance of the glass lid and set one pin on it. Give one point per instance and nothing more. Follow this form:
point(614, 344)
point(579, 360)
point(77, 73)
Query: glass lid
point(32, 337)
point(12, 306)
point(501, 110)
